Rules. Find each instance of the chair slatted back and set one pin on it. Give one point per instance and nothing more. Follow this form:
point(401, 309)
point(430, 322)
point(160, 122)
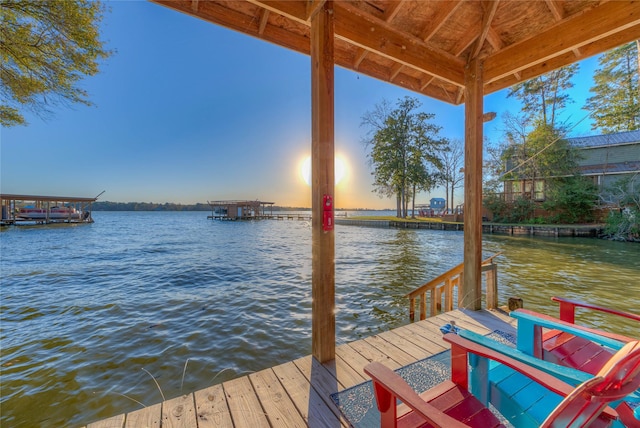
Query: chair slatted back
point(617, 379)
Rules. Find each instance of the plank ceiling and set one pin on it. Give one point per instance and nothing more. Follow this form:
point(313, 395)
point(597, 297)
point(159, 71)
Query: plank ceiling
point(424, 45)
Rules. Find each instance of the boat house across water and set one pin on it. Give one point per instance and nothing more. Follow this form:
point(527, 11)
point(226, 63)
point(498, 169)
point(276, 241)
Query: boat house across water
point(32, 209)
point(240, 210)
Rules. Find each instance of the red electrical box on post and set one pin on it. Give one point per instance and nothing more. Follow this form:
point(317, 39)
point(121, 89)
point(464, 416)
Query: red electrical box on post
point(327, 213)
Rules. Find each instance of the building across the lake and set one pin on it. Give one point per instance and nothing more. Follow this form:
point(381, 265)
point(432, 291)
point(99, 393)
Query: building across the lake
point(240, 210)
point(606, 159)
point(34, 209)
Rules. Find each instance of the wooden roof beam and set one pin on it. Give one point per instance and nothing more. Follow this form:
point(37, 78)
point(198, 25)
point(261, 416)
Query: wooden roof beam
point(392, 11)
point(377, 36)
point(494, 39)
point(359, 58)
point(313, 6)
point(487, 17)
point(591, 49)
point(444, 13)
point(591, 26)
point(264, 19)
point(395, 70)
point(558, 14)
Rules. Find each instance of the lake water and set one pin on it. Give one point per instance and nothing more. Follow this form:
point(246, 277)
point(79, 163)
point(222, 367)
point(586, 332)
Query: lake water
point(90, 312)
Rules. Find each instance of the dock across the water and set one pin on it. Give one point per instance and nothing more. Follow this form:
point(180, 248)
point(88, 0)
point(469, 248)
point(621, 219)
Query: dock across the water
point(43, 210)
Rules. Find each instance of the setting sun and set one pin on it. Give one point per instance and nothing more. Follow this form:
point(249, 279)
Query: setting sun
point(340, 169)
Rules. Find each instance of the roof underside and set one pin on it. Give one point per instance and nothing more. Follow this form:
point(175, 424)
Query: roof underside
point(424, 45)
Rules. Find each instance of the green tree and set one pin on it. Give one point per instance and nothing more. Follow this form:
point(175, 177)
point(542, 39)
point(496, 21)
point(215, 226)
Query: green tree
point(615, 104)
point(571, 199)
point(46, 48)
point(403, 146)
point(544, 96)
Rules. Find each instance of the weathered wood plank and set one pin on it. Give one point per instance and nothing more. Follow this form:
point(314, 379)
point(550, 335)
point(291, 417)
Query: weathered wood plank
point(179, 412)
point(426, 345)
point(211, 408)
point(148, 417)
point(243, 404)
point(347, 375)
point(323, 381)
point(310, 405)
point(280, 410)
point(411, 348)
point(390, 350)
point(113, 422)
point(354, 359)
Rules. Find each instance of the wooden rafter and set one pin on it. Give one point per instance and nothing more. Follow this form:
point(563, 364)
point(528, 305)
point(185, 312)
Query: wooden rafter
point(377, 36)
point(446, 10)
point(313, 6)
point(427, 45)
point(264, 19)
point(392, 10)
point(558, 14)
point(487, 17)
point(588, 27)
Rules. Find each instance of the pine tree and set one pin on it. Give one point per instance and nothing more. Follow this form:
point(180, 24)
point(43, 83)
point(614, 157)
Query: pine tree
point(544, 96)
point(615, 104)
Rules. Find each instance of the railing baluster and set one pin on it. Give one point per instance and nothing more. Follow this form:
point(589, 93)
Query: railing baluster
point(445, 283)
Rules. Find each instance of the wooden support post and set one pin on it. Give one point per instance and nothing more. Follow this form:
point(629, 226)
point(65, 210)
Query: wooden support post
point(323, 322)
point(471, 288)
point(492, 286)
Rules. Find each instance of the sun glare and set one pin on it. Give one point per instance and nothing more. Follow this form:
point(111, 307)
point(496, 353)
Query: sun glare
point(340, 169)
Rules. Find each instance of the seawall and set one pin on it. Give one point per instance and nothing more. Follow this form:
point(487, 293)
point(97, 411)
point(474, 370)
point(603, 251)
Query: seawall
point(589, 231)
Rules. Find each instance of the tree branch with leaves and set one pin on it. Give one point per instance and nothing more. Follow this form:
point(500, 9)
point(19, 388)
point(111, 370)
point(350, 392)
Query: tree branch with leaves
point(47, 47)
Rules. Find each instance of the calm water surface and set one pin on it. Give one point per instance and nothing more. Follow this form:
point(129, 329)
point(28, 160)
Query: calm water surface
point(90, 312)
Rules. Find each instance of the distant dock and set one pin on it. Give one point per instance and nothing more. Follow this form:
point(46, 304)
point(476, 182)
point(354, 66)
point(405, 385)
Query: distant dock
point(42, 210)
point(240, 210)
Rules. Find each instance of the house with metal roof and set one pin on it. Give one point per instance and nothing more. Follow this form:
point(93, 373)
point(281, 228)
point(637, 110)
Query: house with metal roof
point(606, 159)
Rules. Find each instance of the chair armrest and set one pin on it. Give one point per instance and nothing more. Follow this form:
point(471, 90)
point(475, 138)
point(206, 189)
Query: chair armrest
point(568, 306)
point(388, 386)
point(528, 319)
point(566, 374)
point(461, 346)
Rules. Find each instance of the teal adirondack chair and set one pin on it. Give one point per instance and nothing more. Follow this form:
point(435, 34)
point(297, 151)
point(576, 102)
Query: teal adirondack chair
point(451, 403)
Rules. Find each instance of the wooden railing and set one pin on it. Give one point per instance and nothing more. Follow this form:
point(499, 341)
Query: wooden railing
point(443, 286)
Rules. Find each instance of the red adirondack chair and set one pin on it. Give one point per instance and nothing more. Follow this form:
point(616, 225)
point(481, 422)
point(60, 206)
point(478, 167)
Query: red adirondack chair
point(450, 404)
point(567, 343)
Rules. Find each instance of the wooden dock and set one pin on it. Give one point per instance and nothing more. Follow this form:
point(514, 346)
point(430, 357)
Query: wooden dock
point(298, 393)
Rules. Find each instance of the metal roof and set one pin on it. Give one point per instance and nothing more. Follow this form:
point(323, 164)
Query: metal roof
point(7, 196)
point(606, 139)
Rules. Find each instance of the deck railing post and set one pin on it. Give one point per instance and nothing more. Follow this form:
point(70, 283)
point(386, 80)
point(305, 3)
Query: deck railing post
point(492, 286)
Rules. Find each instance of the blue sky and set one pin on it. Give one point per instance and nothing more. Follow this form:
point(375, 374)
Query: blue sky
point(186, 111)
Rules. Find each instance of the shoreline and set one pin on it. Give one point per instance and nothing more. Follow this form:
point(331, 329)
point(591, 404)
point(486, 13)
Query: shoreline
point(581, 231)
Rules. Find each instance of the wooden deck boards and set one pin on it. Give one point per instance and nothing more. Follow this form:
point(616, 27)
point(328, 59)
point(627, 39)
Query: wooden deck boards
point(297, 393)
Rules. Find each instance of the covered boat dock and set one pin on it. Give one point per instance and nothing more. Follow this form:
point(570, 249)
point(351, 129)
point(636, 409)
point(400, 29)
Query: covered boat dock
point(240, 210)
point(39, 210)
